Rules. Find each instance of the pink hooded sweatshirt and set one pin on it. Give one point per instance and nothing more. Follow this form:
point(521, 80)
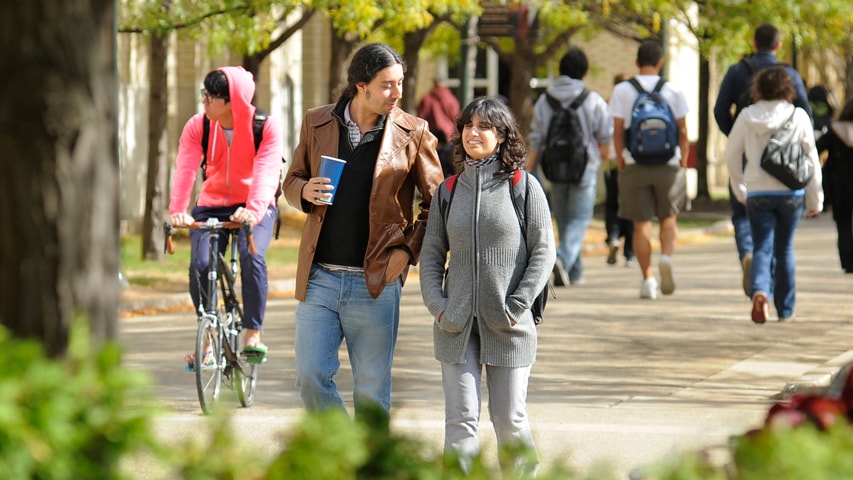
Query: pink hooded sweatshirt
point(235, 174)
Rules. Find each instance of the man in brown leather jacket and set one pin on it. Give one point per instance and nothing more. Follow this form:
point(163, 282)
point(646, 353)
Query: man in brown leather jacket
point(355, 254)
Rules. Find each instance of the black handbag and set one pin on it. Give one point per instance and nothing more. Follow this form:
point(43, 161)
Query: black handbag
point(784, 158)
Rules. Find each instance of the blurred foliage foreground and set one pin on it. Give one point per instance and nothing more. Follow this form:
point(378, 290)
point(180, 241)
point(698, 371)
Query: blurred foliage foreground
point(86, 416)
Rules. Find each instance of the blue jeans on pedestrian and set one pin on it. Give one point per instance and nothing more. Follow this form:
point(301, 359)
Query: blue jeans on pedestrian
point(338, 307)
point(740, 222)
point(253, 266)
point(773, 217)
point(572, 205)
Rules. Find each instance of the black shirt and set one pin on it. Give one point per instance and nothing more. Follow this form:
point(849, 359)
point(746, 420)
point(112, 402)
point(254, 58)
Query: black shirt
point(346, 228)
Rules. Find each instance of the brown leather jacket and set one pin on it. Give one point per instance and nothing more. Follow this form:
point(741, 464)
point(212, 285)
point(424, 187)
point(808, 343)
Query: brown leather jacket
point(407, 159)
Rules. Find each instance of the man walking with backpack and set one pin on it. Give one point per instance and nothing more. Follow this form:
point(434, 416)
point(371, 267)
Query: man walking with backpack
point(651, 134)
point(735, 92)
point(569, 122)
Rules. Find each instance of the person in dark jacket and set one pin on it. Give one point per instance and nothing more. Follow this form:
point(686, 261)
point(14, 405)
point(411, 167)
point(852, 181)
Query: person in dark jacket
point(766, 41)
point(838, 171)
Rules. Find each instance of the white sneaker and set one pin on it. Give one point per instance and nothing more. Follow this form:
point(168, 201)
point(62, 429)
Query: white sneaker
point(649, 289)
point(667, 282)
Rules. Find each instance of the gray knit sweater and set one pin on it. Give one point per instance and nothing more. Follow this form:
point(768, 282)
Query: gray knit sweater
point(492, 275)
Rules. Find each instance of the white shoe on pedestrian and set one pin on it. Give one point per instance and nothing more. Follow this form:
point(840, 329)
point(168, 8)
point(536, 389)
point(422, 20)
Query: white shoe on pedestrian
point(649, 289)
point(667, 281)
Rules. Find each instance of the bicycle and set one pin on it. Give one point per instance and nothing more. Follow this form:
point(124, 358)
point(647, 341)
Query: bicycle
point(219, 341)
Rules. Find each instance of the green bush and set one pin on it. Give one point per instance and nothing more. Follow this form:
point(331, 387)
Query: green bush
point(71, 418)
point(803, 453)
point(86, 416)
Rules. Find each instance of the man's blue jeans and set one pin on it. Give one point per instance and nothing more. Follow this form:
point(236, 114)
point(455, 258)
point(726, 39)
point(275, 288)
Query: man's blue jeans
point(338, 307)
point(774, 220)
point(740, 222)
point(572, 205)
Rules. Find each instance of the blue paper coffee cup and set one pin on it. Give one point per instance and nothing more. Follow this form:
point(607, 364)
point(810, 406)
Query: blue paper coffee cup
point(331, 167)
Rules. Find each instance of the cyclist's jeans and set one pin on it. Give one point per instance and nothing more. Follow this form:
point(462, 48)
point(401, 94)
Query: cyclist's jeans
point(253, 267)
point(338, 307)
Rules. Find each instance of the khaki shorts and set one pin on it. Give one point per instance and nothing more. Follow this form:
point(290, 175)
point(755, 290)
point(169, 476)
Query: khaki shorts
point(649, 191)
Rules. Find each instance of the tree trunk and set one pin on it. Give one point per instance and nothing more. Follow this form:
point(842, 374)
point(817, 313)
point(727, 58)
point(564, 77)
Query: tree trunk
point(523, 62)
point(342, 49)
point(155, 190)
point(521, 71)
point(59, 254)
point(412, 42)
point(702, 190)
point(252, 64)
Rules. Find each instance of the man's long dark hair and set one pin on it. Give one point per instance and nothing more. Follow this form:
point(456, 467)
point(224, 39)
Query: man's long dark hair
point(512, 152)
point(368, 61)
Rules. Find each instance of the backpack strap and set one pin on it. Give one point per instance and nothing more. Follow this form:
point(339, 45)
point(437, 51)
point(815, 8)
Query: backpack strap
point(519, 200)
point(444, 200)
point(205, 135)
point(659, 85)
point(258, 122)
point(580, 99)
point(555, 104)
point(636, 83)
point(750, 64)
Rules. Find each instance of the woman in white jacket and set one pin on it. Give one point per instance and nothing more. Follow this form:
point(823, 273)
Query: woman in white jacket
point(774, 209)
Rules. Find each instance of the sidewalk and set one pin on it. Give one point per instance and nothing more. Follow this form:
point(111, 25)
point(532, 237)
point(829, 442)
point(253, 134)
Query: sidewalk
point(138, 301)
point(618, 380)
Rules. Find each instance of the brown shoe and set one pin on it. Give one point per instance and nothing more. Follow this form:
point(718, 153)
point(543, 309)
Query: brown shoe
point(760, 311)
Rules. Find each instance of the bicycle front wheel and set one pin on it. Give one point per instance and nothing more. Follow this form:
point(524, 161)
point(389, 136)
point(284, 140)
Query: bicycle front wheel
point(245, 375)
point(208, 363)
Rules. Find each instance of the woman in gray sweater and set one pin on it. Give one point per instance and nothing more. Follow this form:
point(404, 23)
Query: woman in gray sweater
point(481, 298)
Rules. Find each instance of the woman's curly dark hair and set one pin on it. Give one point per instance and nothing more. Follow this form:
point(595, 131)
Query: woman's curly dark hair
point(773, 83)
point(512, 152)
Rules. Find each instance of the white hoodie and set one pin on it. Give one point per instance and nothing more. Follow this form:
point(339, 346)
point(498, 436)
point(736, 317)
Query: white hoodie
point(750, 134)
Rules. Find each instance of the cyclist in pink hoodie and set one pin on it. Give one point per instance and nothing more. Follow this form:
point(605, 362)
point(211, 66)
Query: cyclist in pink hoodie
point(239, 185)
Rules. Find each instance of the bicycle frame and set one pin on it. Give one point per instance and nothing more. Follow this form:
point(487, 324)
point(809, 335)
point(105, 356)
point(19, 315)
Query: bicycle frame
point(220, 331)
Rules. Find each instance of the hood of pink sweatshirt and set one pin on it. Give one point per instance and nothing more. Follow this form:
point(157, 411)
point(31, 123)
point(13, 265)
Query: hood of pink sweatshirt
point(236, 174)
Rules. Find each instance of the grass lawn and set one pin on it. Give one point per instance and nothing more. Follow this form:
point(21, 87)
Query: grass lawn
point(171, 272)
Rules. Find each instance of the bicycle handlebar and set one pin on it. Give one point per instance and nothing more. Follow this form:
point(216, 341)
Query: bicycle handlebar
point(211, 224)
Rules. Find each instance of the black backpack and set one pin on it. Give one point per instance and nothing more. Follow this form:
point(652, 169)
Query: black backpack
point(258, 133)
point(519, 203)
point(564, 155)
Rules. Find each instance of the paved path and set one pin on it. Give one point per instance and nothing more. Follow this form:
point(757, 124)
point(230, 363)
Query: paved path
point(619, 380)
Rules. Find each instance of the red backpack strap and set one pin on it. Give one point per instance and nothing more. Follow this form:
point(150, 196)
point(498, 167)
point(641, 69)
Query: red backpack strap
point(516, 176)
point(446, 197)
point(451, 182)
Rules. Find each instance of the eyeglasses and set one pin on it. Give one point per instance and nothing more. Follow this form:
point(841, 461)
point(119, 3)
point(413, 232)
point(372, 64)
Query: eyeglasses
point(208, 97)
